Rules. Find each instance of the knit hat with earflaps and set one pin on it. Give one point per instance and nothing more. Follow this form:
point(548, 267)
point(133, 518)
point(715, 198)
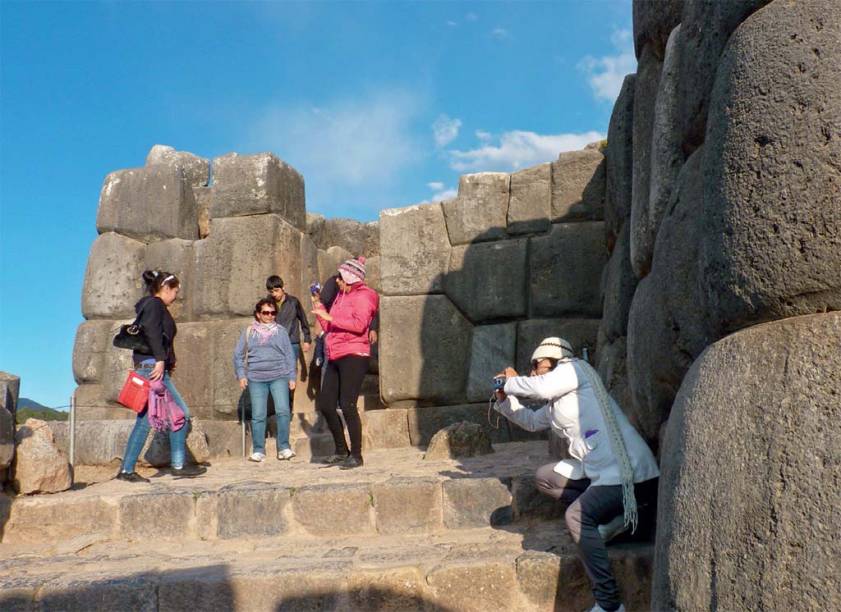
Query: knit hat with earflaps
point(552, 348)
point(353, 270)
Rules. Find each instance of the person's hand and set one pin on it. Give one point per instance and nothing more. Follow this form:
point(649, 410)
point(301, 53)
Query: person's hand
point(243, 384)
point(500, 395)
point(292, 384)
point(320, 312)
point(372, 336)
point(509, 372)
point(157, 371)
point(315, 298)
point(306, 346)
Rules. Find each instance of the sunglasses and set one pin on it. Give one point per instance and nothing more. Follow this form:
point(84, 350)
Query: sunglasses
point(268, 312)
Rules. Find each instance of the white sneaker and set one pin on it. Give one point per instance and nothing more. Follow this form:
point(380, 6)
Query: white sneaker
point(612, 529)
point(285, 455)
point(598, 608)
point(257, 457)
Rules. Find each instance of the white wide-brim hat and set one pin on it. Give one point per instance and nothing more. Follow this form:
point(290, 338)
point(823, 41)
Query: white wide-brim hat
point(552, 348)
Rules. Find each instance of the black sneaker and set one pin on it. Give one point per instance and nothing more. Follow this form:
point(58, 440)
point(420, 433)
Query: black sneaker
point(334, 459)
point(130, 477)
point(188, 471)
point(351, 462)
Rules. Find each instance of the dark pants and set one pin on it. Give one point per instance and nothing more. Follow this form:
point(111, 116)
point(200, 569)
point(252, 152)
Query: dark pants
point(587, 508)
point(342, 383)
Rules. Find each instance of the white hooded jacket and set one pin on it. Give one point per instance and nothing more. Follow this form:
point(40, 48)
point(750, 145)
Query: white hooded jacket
point(572, 410)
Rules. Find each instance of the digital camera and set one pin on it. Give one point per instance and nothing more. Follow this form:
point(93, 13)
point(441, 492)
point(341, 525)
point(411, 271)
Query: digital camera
point(499, 383)
point(315, 288)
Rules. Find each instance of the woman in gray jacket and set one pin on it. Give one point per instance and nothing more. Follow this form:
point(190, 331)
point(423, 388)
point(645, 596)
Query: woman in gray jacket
point(611, 469)
point(265, 363)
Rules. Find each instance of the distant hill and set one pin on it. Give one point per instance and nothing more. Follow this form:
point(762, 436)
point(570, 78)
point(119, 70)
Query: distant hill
point(30, 409)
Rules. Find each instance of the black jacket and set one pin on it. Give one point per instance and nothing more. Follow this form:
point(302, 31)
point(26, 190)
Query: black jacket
point(289, 314)
point(159, 329)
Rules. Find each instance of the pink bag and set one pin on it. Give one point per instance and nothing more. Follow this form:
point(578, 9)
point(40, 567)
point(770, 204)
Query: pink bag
point(164, 412)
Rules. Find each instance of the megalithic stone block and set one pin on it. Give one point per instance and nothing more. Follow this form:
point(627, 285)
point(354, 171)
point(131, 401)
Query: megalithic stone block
point(530, 206)
point(9, 390)
point(653, 21)
point(488, 280)
point(771, 241)
point(329, 261)
point(424, 349)
point(493, 349)
point(565, 270)
point(620, 155)
point(480, 212)
point(232, 264)
point(148, 204)
point(578, 185)
point(254, 184)
point(415, 249)
point(176, 257)
point(618, 289)
point(113, 282)
point(92, 339)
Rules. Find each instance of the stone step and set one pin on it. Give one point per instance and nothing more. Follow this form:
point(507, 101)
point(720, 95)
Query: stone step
point(525, 569)
point(396, 491)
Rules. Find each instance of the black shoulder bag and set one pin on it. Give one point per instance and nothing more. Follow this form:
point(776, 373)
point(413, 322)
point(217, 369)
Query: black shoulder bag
point(132, 337)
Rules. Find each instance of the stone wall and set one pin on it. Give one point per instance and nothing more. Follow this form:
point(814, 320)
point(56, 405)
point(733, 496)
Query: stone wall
point(222, 240)
point(9, 391)
point(723, 215)
point(472, 284)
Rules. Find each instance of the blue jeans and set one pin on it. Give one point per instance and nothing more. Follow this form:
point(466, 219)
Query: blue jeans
point(137, 438)
point(259, 394)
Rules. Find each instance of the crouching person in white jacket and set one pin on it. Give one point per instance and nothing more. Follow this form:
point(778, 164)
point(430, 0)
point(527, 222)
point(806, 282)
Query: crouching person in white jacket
point(612, 472)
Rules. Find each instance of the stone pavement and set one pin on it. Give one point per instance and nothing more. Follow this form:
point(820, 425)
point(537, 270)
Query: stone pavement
point(400, 533)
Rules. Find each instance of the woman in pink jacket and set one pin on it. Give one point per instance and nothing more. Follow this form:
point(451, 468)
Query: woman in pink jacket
point(348, 349)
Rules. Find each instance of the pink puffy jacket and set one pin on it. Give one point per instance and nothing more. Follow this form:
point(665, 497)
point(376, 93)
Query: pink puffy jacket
point(352, 314)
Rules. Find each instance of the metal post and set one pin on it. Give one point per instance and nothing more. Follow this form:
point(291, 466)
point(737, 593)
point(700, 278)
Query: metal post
point(73, 429)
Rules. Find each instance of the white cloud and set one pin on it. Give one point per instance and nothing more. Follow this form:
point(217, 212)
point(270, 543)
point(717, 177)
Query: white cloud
point(445, 130)
point(605, 74)
point(483, 136)
point(346, 142)
point(435, 185)
point(518, 149)
point(500, 34)
point(452, 23)
point(471, 17)
point(440, 193)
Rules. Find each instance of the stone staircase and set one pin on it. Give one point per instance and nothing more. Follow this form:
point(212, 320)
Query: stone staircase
point(401, 533)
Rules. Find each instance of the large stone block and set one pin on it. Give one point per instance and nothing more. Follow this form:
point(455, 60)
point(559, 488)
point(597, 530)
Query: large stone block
point(39, 519)
point(457, 441)
point(491, 351)
point(176, 257)
point(98, 442)
point(388, 428)
point(329, 261)
point(619, 157)
point(618, 288)
point(666, 155)
point(480, 211)
point(668, 326)
point(372, 239)
point(309, 272)
point(614, 372)
point(203, 197)
point(148, 204)
point(349, 234)
point(89, 348)
point(334, 509)
point(565, 270)
point(232, 264)
point(474, 585)
point(39, 466)
point(91, 404)
point(476, 502)
point(426, 421)
point(653, 21)
point(196, 169)
point(487, 281)
point(408, 505)
point(160, 514)
point(530, 205)
point(578, 185)
point(252, 509)
point(749, 495)
point(415, 249)
point(706, 28)
point(424, 349)
point(113, 282)
point(580, 333)
point(373, 275)
point(254, 184)
point(771, 240)
point(645, 96)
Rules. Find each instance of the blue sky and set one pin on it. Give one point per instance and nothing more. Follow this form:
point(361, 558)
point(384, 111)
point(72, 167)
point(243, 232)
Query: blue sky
point(378, 104)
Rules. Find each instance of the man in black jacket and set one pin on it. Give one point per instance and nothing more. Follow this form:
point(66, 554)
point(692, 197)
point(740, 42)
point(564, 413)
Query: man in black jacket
point(292, 317)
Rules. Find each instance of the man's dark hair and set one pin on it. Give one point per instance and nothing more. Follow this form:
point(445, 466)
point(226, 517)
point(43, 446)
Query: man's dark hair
point(274, 282)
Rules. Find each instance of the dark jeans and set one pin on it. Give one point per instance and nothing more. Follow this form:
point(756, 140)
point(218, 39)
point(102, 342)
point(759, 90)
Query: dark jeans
point(342, 383)
point(587, 508)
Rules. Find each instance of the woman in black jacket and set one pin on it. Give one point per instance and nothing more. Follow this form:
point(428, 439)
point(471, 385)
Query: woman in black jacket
point(159, 328)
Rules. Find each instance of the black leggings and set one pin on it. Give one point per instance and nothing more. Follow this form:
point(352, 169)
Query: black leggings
point(342, 383)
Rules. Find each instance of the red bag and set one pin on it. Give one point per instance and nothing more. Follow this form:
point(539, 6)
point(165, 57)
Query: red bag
point(135, 392)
